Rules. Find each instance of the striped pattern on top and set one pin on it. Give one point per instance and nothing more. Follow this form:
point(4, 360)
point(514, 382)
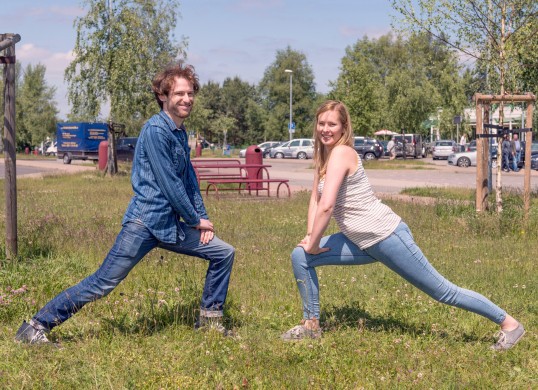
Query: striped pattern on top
point(359, 214)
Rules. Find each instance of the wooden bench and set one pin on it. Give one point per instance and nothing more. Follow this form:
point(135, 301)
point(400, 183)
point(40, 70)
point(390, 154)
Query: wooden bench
point(233, 171)
point(249, 185)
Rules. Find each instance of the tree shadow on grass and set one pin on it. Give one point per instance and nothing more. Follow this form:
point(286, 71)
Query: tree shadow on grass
point(353, 316)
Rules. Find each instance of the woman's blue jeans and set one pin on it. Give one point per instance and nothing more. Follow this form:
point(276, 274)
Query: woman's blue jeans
point(401, 254)
point(132, 244)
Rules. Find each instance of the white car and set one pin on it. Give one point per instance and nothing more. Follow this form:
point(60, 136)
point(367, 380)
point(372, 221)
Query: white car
point(263, 146)
point(468, 159)
point(443, 149)
point(301, 148)
point(463, 159)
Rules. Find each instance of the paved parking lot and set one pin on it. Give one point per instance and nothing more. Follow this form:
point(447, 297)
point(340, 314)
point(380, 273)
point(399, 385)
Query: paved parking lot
point(301, 174)
point(440, 174)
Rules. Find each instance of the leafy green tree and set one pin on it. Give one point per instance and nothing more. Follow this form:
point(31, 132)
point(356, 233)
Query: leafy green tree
point(492, 32)
point(495, 33)
point(118, 51)
point(207, 108)
point(396, 83)
point(36, 109)
point(274, 89)
point(236, 95)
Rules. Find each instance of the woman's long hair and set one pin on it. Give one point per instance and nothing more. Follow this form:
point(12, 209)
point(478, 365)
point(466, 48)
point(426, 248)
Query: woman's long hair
point(321, 154)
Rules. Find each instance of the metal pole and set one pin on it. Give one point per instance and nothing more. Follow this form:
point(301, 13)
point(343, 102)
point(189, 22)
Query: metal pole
point(291, 100)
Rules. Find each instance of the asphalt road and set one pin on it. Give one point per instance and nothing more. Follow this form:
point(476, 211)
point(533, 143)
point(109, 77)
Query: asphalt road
point(38, 168)
point(301, 174)
point(438, 174)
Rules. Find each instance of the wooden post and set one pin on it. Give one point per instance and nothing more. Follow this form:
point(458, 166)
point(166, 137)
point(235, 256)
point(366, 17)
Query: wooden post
point(10, 182)
point(481, 169)
point(528, 144)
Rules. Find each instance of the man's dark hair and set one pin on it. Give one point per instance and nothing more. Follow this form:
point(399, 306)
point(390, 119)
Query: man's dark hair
point(164, 80)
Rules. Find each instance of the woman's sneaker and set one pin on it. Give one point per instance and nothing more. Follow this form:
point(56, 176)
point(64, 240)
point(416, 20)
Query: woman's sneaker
point(31, 333)
point(301, 332)
point(507, 340)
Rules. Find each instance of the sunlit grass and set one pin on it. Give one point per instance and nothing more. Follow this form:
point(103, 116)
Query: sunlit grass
point(380, 332)
point(398, 164)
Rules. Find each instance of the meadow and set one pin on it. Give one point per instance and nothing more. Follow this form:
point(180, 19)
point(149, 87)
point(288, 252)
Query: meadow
point(379, 332)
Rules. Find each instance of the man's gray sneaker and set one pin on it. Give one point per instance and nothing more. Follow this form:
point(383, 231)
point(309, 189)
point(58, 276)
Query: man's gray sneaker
point(507, 340)
point(300, 332)
point(31, 333)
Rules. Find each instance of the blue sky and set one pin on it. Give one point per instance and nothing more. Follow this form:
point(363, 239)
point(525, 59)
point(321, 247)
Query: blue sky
point(225, 38)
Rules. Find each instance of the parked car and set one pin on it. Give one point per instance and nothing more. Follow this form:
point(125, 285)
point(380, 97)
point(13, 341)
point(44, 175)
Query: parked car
point(385, 150)
point(267, 151)
point(467, 159)
point(52, 149)
point(412, 145)
point(368, 148)
point(444, 148)
point(534, 155)
point(263, 146)
point(125, 148)
point(471, 146)
point(301, 148)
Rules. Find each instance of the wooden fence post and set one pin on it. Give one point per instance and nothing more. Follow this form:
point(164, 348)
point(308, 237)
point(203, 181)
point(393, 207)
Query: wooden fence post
point(7, 42)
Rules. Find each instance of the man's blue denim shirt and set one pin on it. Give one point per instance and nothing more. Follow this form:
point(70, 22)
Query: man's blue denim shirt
point(164, 182)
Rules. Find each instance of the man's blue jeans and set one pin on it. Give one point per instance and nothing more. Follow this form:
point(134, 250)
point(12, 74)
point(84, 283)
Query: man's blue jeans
point(506, 161)
point(132, 244)
point(515, 161)
point(401, 254)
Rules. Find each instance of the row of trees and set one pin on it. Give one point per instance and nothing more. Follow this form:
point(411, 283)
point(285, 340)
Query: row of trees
point(36, 112)
point(395, 81)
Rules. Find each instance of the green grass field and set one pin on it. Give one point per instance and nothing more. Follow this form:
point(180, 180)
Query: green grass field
point(379, 332)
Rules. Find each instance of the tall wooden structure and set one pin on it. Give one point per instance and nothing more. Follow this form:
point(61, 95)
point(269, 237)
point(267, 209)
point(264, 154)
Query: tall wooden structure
point(483, 104)
point(7, 44)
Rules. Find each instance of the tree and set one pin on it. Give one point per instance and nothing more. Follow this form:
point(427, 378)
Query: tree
point(36, 109)
point(235, 97)
point(495, 33)
point(396, 83)
point(207, 108)
point(118, 51)
point(274, 89)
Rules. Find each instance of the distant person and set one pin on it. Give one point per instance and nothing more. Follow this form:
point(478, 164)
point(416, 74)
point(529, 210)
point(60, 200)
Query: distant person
point(370, 232)
point(391, 148)
point(166, 211)
point(506, 149)
point(463, 142)
point(515, 147)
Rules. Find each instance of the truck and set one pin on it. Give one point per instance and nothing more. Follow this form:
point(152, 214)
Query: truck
point(80, 140)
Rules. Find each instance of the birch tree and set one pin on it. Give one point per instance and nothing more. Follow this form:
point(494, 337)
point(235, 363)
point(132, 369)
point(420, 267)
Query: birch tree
point(493, 32)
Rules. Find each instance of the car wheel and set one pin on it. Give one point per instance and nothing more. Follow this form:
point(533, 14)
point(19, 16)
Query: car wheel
point(369, 156)
point(301, 156)
point(434, 158)
point(66, 159)
point(279, 155)
point(464, 162)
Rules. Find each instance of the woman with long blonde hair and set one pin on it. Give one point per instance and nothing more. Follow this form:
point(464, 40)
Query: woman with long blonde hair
point(369, 232)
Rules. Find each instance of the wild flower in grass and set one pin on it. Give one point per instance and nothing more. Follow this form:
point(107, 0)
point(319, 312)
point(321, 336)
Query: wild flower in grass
point(161, 302)
point(20, 290)
point(353, 279)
